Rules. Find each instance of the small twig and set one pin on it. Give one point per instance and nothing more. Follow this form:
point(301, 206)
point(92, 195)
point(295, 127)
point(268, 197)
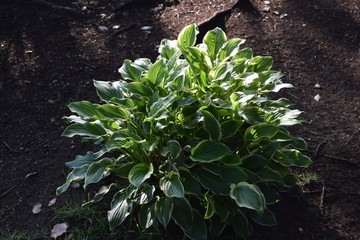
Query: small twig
point(89, 65)
point(319, 147)
point(121, 30)
point(347, 141)
point(11, 149)
point(339, 159)
point(54, 6)
point(321, 205)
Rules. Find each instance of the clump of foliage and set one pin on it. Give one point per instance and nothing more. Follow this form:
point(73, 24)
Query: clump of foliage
point(193, 138)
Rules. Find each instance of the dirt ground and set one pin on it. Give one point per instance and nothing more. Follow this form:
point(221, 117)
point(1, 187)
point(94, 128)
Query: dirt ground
point(50, 56)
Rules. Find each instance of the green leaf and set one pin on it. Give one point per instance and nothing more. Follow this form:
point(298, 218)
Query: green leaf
point(102, 191)
point(248, 196)
point(120, 209)
point(139, 89)
point(221, 209)
point(112, 111)
point(254, 162)
point(142, 195)
point(139, 173)
point(261, 130)
point(216, 227)
point(212, 125)
point(168, 48)
point(270, 194)
point(187, 36)
point(198, 227)
point(231, 160)
point(212, 182)
point(96, 171)
point(244, 53)
point(163, 210)
point(173, 147)
point(230, 127)
point(291, 158)
point(214, 40)
point(266, 218)
point(85, 109)
point(146, 218)
point(157, 73)
point(171, 185)
point(161, 104)
point(210, 208)
point(190, 183)
point(230, 48)
point(252, 114)
point(90, 129)
point(82, 160)
point(209, 151)
point(267, 150)
point(241, 225)
point(76, 175)
point(233, 174)
point(268, 174)
point(129, 71)
point(108, 90)
point(182, 214)
point(261, 63)
point(124, 170)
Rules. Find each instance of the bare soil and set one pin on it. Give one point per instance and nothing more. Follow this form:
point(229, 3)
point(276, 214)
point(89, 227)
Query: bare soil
point(49, 57)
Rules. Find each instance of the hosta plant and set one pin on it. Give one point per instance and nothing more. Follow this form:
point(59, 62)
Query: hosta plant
point(190, 139)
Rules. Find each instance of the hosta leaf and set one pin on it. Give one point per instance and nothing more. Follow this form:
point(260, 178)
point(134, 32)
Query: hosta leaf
point(90, 129)
point(190, 183)
point(163, 210)
point(173, 147)
point(212, 182)
point(208, 151)
point(182, 214)
point(230, 48)
point(266, 218)
point(244, 53)
point(214, 40)
point(291, 158)
point(254, 162)
point(231, 160)
point(161, 104)
point(102, 191)
point(261, 63)
point(271, 195)
point(76, 175)
point(216, 227)
point(139, 89)
point(221, 209)
point(120, 209)
point(260, 131)
point(171, 185)
point(290, 179)
point(233, 174)
point(108, 90)
point(124, 170)
point(252, 114)
point(126, 103)
point(139, 173)
point(198, 227)
point(230, 127)
point(298, 143)
point(210, 206)
point(212, 125)
point(168, 48)
point(112, 111)
point(248, 196)
point(128, 71)
point(96, 171)
point(268, 174)
point(241, 225)
point(146, 218)
point(85, 109)
point(187, 36)
point(87, 159)
point(267, 150)
point(157, 73)
point(142, 195)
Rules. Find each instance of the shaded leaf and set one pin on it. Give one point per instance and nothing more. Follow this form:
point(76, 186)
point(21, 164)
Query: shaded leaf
point(248, 196)
point(208, 151)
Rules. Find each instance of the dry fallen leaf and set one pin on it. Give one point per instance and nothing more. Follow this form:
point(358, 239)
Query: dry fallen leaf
point(52, 202)
point(58, 230)
point(37, 208)
point(317, 97)
point(75, 185)
point(317, 85)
